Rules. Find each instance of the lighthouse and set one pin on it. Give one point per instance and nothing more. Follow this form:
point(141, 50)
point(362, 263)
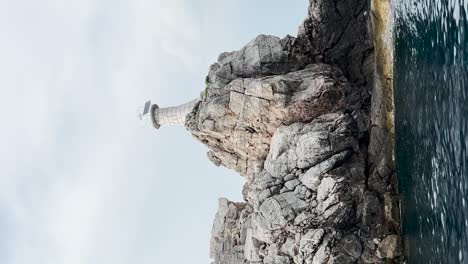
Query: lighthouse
point(174, 115)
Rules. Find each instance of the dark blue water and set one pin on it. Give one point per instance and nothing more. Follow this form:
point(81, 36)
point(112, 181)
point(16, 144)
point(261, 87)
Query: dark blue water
point(431, 98)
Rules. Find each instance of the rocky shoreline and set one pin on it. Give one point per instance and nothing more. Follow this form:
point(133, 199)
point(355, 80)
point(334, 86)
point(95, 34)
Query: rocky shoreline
point(307, 121)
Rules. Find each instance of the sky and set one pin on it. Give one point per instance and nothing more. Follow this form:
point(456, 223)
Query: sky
point(81, 181)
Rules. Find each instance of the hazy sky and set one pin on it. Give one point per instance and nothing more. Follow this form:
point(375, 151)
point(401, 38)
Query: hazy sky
point(80, 181)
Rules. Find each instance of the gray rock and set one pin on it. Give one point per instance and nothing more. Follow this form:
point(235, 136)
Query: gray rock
point(227, 236)
point(293, 116)
point(276, 260)
point(312, 177)
point(306, 145)
point(238, 120)
point(252, 247)
point(304, 216)
point(292, 184)
point(278, 210)
point(323, 253)
point(390, 247)
point(289, 247)
point(311, 241)
point(348, 250)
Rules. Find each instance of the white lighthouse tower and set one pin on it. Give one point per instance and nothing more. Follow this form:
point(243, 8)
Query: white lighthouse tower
point(174, 115)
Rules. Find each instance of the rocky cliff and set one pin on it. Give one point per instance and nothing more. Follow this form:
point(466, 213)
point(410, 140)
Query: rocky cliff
point(293, 116)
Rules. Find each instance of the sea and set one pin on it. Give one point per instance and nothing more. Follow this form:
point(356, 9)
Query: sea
point(431, 126)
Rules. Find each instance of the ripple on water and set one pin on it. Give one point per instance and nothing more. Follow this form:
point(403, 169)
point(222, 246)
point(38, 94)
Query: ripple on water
point(431, 87)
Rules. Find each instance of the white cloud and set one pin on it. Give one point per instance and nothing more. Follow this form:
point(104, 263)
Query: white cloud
point(56, 92)
point(79, 182)
point(56, 87)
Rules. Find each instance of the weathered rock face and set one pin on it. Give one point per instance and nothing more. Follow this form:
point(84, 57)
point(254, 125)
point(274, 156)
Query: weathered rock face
point(337, 32)
point(293, 116)
point(238, 120)
point(303, 206)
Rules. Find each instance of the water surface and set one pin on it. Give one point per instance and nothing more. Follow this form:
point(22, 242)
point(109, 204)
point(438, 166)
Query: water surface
point(431, 86)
